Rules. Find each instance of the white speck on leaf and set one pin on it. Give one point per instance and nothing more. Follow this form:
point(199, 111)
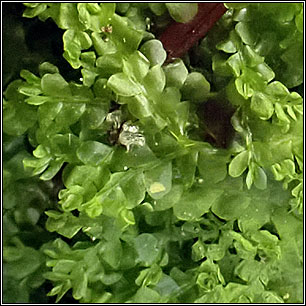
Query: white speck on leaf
point(286, 296)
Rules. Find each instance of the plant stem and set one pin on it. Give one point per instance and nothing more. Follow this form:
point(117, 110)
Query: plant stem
point(178, 37)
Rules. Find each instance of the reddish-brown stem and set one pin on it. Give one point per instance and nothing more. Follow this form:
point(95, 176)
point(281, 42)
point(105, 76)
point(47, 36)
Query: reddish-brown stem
point(178, 38)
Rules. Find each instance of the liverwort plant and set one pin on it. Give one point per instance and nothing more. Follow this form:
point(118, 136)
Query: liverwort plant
point(144, 178)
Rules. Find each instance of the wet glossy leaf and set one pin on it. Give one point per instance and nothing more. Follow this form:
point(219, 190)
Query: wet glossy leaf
point(239, 164)
point(154, 52)
point(122, 85)
point(262, 105)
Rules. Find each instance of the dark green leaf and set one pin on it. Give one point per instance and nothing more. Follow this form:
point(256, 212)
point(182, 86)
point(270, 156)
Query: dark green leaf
point(169, 199)
point(110, 63)
point(146, 295)
point(158, 8)
point(196, 88)
point(18, 117)
point(111, 252)
point(146, 246)
point(155, 81)
point(176, 73)
point(182, 12)
point(93, 152)
point(231, 205)
point(196, 202)
point(213, 166)
point(55, 85)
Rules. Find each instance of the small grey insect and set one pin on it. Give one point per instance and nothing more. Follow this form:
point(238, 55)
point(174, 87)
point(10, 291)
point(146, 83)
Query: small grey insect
point(124, 132)
point(130, 136)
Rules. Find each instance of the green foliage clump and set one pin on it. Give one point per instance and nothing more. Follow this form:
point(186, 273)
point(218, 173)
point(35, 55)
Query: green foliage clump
point(110, 193)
